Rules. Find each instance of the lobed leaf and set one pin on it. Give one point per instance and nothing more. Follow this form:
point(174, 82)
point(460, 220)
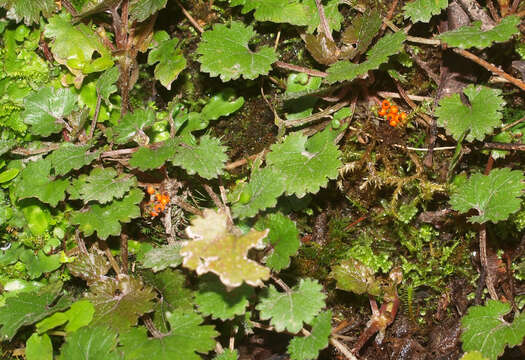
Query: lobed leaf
point(93, 343)
point(423, 10)
point(132, 124)
point(71, 157)
point(308, 347)
point(160, 258)
point(170, 61)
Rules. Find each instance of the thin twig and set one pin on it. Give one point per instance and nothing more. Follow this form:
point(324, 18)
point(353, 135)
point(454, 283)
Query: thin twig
point(110, 257)
point(124, 252)
point(504, 146)
point(30, 152)
point(484, 262)
point(281, 284)
point(512, 124)
point(443, 148)
point(214, 197)
point(389, 14)
point(298, 68)
point(185, 206)
point(321, 114)
point(69, 7)
point(190, 18)
point(323, 23)
point(423, 65)
point(151, 327)
point(427, 119)
point(224, 199)
point(95, 116)
point(343, 349)
point(493, 11)
point(394, 95)
point(490, 67)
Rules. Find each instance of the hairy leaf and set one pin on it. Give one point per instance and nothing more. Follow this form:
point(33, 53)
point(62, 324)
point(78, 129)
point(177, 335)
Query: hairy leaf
point(170, 61)
point(495, 196)
point(28, 308)
point(216, 249)
point(131, 126)
point(224, 51)
point(261, 192)
point(147, 158)
point(45, 110)
point(305, 165)
point(186, 338)
point(140, 10)
point(71, 157)
point(171, 285)
point(206, 158)
point(478, 118)
point(352, 275)
point(213, 299)
point(387, 46)
point(308, 347)
point(160, 258)
point(35, 181)
point(471, 35)
point(29, 11)
point(423, 10)
point(103, 185)
point(90, 267)
point(91, 343)
point(283, 238)
point(289, 310)
point(119, 303)
point(106, 219)
point(484, 329)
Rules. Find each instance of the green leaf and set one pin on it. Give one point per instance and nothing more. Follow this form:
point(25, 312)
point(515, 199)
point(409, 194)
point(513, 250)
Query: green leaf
point(213, 299)
point(473, 355)
point(485, 329)
point(28, 308)
point(305, 165)
point(227, 355)
point(106, 83)
point(186, 338)
point(423, 10)
point(38, 264)
point(494, 196)
point(119, 303)
point(79, 315)
point(303, 106)
point(91, 343)
point(90, 267)
point(361, 32)
point(171, 285)
point(262, 192)
point(77, 47)
point(46, 108)
point(36, 182)
point(478, 118)
point(283, 238)
point(106, 219)
point(170, 61)
point(140, 10)
point(29, 11)
point(163, 257)
point(133, 124)
point(71, 157)
point(39, 347)
point(308, 347)
point(387, 46)
point(289, 310)
point(103, 185)
point(8, 175)
point(352, 275)
point(224, 103)
point(206, 158)
point(471, 35)
point(147, 158)
point(224, 51)
point(216, 249)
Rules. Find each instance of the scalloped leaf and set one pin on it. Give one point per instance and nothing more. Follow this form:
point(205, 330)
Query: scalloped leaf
point(29, 11)
point(46, 108)
point(35, 181)
point(94, 342)
point(105, 85)
point(387, 46)
point(227, 355)
point(160, 258)
point(217, 249)
point(170, 61)
point(305, 165)
point(140, 10)
point(171, 285)
point(103, 185)
point(186, 338)
point(39, 264)
point(120, 302)
point(495, 196)
point(28, 308)
point(71, 157)
point(132, 125)
point(106, 219)
point(479, 118)
point(471, 35)
point(147, 158)
point(484, 329)
point(261, 193)
point(423, 10)
point(308, 347)
point(90, 267)
point(289, 310)
point(207, 158)
point(215, 300)
point(283, 238)
point(224, 51)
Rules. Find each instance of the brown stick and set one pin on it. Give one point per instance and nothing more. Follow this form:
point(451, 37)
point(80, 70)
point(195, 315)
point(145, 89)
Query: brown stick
point(503, 146)
point(322, 21)
point(389, 15)
point(490, 67)
point(185, 206)
point(124, 252)
point(190, 18)
point(514, 123)
point(69, 7)
point(298, 68)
